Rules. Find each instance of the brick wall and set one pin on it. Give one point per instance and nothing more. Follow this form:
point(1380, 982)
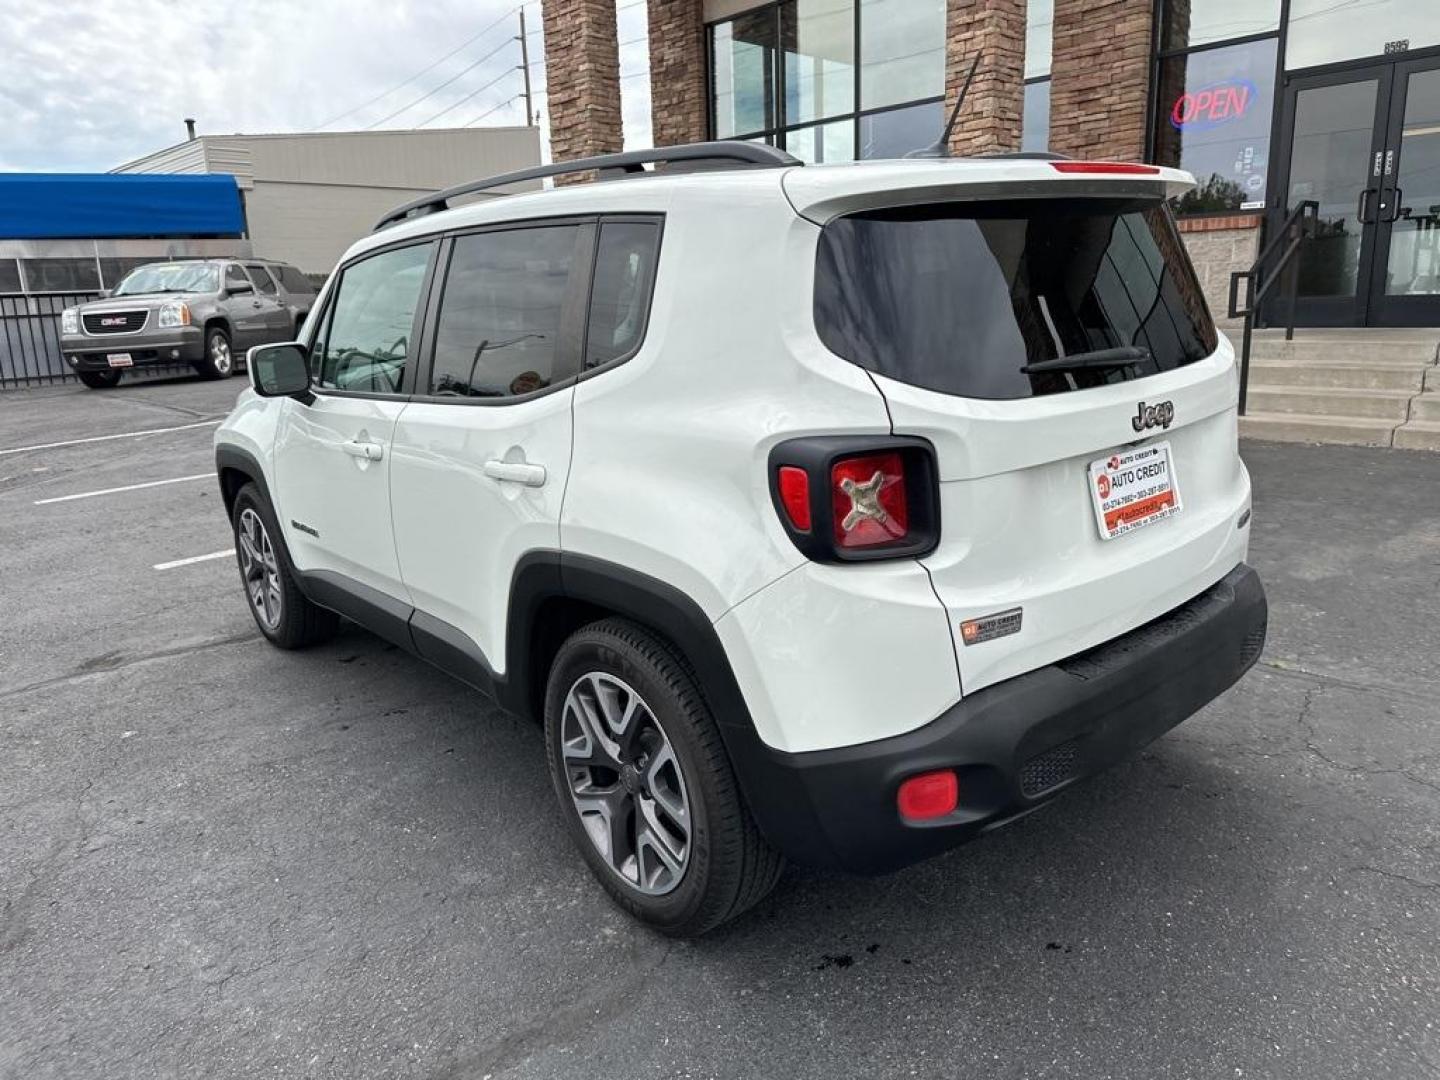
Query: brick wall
point(1218, 246)
point(990, 120)
point(582, 63)
point(1100, 78)
point(678, 95)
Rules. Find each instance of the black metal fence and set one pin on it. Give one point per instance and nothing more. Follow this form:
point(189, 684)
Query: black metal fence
point(30, 340)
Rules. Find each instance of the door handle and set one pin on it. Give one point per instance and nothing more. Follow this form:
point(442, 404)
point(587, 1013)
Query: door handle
point(516, 472)
point(370, 451)
point(1397, 196)
point(1361, 210)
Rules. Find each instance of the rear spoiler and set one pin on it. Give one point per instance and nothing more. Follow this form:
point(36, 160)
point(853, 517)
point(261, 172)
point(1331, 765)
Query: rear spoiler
point(821, 195)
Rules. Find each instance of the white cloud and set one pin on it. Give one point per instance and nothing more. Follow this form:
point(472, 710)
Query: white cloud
point(88, 84)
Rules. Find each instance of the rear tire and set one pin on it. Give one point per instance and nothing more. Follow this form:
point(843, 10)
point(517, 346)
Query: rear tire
point(219, 361)
point(665, 829)
point(99, 380)
point(280, 609)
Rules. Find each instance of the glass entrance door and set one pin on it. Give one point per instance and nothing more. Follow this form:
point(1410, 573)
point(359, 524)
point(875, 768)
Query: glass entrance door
point(1365, 144)
point(1405, 290)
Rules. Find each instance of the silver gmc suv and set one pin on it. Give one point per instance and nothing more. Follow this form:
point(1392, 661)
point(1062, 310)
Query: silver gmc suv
point(202, 313)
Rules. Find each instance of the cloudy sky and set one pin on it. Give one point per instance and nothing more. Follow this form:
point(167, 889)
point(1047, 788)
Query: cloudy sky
point(88, 84)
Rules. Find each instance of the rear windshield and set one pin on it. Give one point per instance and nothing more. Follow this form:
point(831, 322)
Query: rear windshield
point(958, 297)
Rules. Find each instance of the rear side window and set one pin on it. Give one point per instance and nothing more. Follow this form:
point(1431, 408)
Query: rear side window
point(498, 332)
point(263, 281)
point(293, 280)
point(958, 297)
point(620, 293)
point(364, 343)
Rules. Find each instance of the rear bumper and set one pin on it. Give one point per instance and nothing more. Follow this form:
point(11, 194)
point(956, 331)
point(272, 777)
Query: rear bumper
point(1014, 745)
point(185, 344)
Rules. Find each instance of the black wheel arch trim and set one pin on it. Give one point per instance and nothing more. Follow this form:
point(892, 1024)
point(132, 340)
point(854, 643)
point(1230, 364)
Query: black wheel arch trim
point(236, 459)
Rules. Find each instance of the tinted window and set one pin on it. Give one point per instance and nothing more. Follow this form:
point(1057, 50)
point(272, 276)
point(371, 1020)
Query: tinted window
point(293, 280)
point(9, 276)
point(61, 275)
point(957, 298)
point(263, 281)
point(366, 340)
point(620, 293)
point(498, 333)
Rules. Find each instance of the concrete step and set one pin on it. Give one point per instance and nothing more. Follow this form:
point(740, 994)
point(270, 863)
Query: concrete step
point(1299, 427)
point(1347, 349)
point(1337, 374)
point(1426, 407)
point(1418, 435)
point(1393, 405)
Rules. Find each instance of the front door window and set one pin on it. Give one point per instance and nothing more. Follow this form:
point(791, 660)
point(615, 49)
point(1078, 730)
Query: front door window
point(1413, 266)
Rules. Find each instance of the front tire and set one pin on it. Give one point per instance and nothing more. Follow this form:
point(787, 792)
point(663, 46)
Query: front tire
point(645, 784)
point(99, 380)
point(219, 361)
point(280, 609)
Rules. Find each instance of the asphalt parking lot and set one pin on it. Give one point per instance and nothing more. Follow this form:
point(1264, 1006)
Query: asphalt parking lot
point(221, 860)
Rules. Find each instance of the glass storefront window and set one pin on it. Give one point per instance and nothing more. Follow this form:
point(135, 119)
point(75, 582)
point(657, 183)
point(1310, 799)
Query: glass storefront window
point(1035, 120)
point(61, 275)
point(1326, 31)
point(819, 38)
point(823, 142)
point(742, 59)
point(902, 51)
point(896, 132)
point(1188, 23)
point(1039, 37)
point(1213, 120)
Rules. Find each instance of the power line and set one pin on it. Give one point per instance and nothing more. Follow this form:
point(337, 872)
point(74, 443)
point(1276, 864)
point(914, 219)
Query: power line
point(442, 86)
point(493, 108)
point(467, 97)
point(425, 70)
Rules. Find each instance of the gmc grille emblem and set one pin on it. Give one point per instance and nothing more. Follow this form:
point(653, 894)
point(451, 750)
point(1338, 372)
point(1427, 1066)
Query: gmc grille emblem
point(1160, 415)
point(119, 320)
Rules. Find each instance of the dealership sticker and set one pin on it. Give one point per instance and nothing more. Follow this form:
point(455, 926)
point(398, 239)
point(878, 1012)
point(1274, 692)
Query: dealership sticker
point(119, 359)
point(1132, 489)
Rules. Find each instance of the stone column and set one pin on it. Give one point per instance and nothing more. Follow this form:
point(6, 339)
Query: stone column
point(679, 106)
point(990, 120)
point(582, 66)
point(1100, 78)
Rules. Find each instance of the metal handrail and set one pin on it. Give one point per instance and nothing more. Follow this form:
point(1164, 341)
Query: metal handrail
point(1292, 232)
point(731, 152)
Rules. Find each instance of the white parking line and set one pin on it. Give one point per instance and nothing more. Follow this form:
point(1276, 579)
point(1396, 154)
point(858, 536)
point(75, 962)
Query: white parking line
point(127, 487)
point(194, 559)
point(106, 438)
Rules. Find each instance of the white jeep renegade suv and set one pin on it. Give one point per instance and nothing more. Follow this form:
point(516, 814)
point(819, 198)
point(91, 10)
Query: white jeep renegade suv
point(836, 513)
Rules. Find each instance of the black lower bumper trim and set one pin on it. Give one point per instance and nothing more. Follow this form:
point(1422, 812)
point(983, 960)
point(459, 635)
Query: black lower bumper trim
point(1014, 745)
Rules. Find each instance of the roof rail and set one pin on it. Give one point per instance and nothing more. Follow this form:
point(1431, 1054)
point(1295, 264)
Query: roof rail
point(723, 153)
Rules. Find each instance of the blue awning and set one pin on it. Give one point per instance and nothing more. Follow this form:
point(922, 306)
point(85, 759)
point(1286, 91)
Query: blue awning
point(36, 206)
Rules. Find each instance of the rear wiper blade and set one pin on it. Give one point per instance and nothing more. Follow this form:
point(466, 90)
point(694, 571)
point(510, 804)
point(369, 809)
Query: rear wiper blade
point(1121, 356)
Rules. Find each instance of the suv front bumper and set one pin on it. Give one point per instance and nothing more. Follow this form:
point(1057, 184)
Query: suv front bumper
point(1014, 745)
point(173, 345)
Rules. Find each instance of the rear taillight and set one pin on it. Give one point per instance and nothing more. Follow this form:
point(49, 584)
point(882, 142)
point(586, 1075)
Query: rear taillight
point(867, 494)
point(794, 487)
point(843, 499)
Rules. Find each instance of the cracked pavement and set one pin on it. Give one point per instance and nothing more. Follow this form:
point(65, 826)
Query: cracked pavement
point(221, 860)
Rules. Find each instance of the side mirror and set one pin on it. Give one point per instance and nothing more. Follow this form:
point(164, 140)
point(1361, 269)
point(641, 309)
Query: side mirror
point(280, 371)
point(239, 288)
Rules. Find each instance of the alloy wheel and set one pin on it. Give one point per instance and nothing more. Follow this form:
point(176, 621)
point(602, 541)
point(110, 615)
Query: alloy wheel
point(626, 783)
point(220, 357)
point(260, 569)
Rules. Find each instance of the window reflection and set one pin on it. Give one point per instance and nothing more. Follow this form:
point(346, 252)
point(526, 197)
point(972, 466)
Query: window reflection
point(902, 51)
point(819, 38)
point(743, 62)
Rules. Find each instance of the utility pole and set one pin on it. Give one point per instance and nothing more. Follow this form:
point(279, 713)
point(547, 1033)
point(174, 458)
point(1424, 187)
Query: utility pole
point(525, 67)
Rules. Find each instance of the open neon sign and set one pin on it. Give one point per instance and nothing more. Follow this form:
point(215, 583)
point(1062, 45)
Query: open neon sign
point(1213, 105)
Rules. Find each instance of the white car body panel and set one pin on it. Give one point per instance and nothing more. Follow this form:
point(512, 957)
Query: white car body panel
point(459, 533)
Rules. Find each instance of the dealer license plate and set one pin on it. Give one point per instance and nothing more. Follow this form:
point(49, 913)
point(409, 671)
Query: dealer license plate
point(119, 359)
point(1132, 489)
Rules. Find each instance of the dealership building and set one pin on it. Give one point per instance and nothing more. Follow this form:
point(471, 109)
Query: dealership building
point(1269, 103)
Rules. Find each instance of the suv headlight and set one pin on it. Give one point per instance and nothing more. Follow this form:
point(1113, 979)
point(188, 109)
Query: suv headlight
point(174, 314)
point(70, 321)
